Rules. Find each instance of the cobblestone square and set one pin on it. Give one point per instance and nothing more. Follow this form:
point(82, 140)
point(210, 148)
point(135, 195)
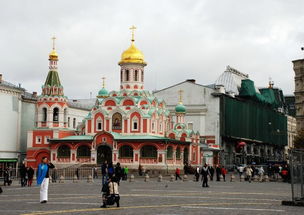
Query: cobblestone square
point(161, 198)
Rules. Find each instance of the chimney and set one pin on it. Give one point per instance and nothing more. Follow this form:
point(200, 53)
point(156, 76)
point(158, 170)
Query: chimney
point(191, 80)
point(35, 94)
point(0, 78)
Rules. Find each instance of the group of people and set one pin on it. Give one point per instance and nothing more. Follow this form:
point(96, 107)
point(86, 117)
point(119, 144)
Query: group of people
point(108, 170)
point(26, 175)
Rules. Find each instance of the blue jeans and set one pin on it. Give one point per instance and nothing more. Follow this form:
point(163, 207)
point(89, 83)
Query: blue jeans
point(104, 179)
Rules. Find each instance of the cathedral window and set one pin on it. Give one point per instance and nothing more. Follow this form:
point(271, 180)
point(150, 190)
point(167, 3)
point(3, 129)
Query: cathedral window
point(63, 151)
point(38, 139)
point(136, 75)
point(56, 114)
point(135, 124)
point(169, 152)
point(153, 126)
point(142, 76)
point(46, 140)
point(83, 151)
point(69, 120)
point(74, 122)
point(160, 126)
point(44, 114)
point(121, 75)
point(99, 124)
point(148, 152)
point(127, 75)
point(65, 113)
point(178, 153)
point(125, 152)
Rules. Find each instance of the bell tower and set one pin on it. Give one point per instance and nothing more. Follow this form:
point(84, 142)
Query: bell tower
point(52, 104)
point(132, 65)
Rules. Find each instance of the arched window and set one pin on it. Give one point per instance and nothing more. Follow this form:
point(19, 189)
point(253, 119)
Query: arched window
point(142, 76)
point(136, 75)
point(121, 75)
point(126, 152)
point(116, 121)
point(135, 126)
point(127, 75)
point(74, 122)
point(55, 114)
point(148, 152)
point(99, 126)
point(161, 126)
point(65, 113)
point(178, 153)
point(63, 151)
point(169, 152)
point(44, 114)
point(83, 151)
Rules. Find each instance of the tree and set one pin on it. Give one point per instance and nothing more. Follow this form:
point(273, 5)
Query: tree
point(299, 140)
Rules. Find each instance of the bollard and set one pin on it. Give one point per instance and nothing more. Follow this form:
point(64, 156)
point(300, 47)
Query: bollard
point(232, 178)
point(221, 177)
point(172, 178)
point(185, 178)
point(160, 178)
point(131, 179)
point(266, 178)
point(242, 178)
point(75, 179)
point(147, 178)
point(90, 180)
point(61, 179)
point(255, 178)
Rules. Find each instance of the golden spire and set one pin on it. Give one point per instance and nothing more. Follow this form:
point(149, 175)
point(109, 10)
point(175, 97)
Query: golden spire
point(103, 82)
point(132, 28)
point(53, 55)
point(180, 92)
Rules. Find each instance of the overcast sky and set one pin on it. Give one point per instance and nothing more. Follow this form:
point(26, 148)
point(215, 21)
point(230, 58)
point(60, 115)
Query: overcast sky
point(180, 39)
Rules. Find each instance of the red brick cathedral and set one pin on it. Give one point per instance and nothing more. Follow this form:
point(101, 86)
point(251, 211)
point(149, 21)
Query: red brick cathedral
point(130, 126)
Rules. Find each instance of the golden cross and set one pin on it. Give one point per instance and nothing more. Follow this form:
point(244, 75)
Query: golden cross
point(103, 82)
point(132, 28)
point(54, 38)
point(180, 92)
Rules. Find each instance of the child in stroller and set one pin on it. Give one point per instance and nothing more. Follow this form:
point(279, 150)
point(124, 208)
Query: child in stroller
point(110, 194)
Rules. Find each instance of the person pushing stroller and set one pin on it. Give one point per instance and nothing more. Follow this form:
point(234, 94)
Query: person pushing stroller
point(110, 194)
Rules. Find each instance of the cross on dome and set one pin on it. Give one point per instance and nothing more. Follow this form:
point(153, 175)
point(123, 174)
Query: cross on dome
point(180, 93)
point(132, 28)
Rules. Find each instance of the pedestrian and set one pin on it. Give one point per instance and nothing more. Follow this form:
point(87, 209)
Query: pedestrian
point(218, 172)
point(104, 172)
point(110, 170)
point(285, 173)
point(140, 170)
point(177, 174)
point(7, 177)
point(77, 173)
point(249, 173)
point(30, 175)
point(197, 173)
point(95, 173)
point(224, 172)
point(126, 172)
point(54, 175)
point(43, 178)
point(276, 172)
point(211, 170)
point(118, 173)
point(241, 171)
point(205, 173)
point(23, 174)
point(110, 194)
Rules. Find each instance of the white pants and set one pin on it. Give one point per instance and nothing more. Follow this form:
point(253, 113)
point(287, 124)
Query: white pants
point(44, 189)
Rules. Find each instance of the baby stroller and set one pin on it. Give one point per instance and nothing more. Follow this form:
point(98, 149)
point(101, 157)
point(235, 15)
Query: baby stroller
point(110, 194)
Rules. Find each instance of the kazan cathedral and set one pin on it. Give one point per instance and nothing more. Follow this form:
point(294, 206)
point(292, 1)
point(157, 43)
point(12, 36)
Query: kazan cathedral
point(130, 126)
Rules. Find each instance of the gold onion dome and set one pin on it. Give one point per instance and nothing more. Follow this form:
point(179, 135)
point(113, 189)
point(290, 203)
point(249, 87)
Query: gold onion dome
point(132, 54)
point(53, 55)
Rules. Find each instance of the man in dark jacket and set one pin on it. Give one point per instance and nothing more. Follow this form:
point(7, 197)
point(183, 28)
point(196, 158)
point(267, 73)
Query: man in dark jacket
point(211, 170)
point(205, 172)
point(23, 172)
point(104, 172)
point(118, 173)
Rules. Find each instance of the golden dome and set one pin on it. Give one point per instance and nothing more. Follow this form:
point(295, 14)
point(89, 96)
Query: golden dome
point(53, 55)
point(132, 55)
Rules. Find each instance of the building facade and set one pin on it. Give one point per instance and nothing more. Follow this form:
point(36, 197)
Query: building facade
point(130, 126)
point(298, 67)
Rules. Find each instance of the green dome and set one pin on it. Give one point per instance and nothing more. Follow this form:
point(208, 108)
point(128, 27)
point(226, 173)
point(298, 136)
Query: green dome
point(103, 93)
point(180, 108)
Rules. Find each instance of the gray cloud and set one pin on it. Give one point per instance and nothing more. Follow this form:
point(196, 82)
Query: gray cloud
point(180, 40)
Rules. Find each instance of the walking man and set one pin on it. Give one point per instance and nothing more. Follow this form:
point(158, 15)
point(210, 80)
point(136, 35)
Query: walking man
point(177, 174)
point(43, 178)
point(30, 174)
point(205, 172)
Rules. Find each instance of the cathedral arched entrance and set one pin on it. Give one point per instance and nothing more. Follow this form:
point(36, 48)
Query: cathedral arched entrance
point(104, 153)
